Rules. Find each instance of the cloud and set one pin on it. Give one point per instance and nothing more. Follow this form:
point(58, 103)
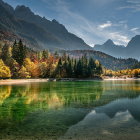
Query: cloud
point(135, 30)
point(133, 1)
point(105, 25)
point(132, 4)
point(120, 39)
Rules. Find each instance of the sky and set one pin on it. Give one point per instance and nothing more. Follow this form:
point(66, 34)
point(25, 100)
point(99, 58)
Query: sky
point(95, 21)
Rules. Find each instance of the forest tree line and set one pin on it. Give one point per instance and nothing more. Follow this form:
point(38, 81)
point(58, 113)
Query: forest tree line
point(130, 73)
point(18, 61)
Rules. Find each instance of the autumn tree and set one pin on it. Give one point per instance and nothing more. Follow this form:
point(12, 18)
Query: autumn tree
point(4, 70)
point(31, 67)
point(23, 73)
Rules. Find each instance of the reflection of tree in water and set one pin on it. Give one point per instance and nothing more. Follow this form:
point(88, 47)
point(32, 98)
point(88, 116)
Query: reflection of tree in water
point(32, 97)
point(13, 104)
point(53, 107)
point(50, 95)
point(4, 93)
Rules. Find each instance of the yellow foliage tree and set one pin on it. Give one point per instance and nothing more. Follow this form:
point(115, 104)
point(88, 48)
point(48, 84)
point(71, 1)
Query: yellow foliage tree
point(23, 73)
point(4, 70)
point(31, 67)
point(42, 69)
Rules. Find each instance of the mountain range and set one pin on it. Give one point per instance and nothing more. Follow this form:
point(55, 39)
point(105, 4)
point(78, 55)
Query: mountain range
point(36, 31)
point(130, 51)
point(41, 33)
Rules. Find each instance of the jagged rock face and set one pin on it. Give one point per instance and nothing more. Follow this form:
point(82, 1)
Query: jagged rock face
point(38, 31)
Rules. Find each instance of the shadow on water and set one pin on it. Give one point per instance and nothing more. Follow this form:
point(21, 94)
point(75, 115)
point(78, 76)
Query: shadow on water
point(55, 109)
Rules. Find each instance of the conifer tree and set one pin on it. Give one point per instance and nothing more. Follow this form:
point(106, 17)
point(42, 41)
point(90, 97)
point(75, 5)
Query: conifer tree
point(45, 54)
point(5, 53)
point(15, 50)
point(91, 67)
point(79, 69)
point(58, 72)
point(22, 53)
point(19, 52)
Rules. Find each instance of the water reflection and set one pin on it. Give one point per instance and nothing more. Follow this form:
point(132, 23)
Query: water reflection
point(116, 120)
point(48, 110)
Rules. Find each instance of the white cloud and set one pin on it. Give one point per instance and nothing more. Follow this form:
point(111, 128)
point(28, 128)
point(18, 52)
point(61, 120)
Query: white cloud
point(105, 25)
point(121, 39)
point(132, 4)
point(133, 1)
point(134, 29)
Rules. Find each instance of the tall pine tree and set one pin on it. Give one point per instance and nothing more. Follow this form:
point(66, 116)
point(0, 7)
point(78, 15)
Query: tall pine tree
point(19, 52)
point(5, 55)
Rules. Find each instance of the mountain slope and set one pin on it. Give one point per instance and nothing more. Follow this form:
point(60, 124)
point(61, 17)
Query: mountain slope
point(37, 31)
point(106, 60)
point(110, 48)
point(133, 47)
point(131, 50)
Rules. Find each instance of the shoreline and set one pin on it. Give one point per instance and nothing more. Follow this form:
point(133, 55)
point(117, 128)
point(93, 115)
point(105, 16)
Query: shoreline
point(25, 81)
point(21, 81)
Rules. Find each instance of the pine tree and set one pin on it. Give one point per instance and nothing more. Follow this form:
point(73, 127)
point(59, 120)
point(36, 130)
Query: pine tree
point(84, 66)
point(5, 53)
point(74, 68)
point(14, 67)
point(56, 55)
point(69, 69)
point(58, 72)
point(15, 50)
point(45, 54)
point(91, 67)
point(79, 69)
point(99, 69)
point(19, 52)
point(22, 53)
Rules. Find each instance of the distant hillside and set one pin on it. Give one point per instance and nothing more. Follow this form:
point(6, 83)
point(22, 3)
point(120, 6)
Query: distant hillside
point(131, 50)
point(36, 31)
point(106, 60)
